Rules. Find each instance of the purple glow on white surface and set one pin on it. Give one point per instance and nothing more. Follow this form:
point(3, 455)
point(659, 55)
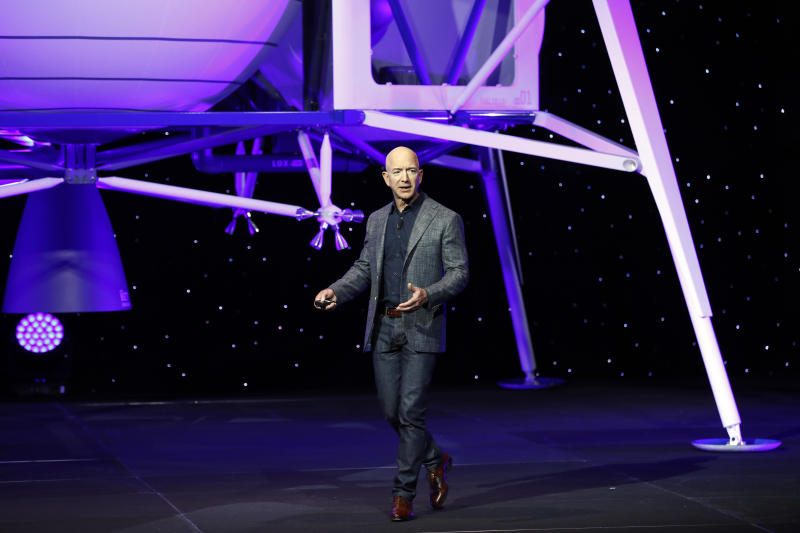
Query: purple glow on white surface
point(325, 171)
point(312, 163)
point(354, 86)
point(40, 332)
point(497, 56)
point(18, 138)
point(147, 55)
point(341, 243)
point(499, 141)
point(319, 238)
point(195, 196)
point(18, 187)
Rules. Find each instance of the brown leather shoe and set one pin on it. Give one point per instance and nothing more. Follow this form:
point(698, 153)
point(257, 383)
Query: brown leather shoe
point(438, 480)
point(402, 509)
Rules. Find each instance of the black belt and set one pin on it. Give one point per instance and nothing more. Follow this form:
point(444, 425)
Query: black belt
point(391, 312)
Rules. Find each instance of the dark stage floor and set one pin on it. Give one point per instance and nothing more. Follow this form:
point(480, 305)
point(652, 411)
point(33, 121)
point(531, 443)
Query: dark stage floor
point(588, 456)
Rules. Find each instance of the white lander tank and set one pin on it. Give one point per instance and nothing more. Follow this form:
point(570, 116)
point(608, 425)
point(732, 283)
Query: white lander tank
point(171, 55)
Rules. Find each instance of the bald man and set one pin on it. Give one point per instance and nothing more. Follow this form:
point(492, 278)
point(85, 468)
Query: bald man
point(414, 259)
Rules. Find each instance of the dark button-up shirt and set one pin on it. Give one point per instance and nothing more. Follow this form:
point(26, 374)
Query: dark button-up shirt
point(395, 245)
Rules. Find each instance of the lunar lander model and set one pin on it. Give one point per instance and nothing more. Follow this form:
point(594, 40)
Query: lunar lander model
point(348, 75)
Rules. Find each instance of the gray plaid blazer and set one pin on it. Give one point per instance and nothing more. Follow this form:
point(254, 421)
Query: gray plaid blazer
point(436, 260)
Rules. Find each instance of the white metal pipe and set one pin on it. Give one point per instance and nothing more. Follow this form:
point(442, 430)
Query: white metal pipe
point(376, 119)
point(501, 166)
point(25, 187)
point(325, 170)
point(499, 215)
point(627, 60)
point(497, 56)
point(312, 163)
point(715, 368)
point(581, 135)
point(194, 196)
point(456, 163)
point(622, 41)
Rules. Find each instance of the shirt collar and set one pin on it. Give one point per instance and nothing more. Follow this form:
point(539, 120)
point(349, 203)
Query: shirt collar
point(413, 206)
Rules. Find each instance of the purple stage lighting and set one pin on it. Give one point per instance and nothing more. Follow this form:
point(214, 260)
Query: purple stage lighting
point(40, 332)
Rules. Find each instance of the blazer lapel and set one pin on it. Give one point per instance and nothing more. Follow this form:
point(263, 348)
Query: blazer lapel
point(383, 218)
point(426, 214)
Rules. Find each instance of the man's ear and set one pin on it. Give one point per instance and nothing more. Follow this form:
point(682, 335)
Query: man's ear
point(386, 178)
point(419, 177)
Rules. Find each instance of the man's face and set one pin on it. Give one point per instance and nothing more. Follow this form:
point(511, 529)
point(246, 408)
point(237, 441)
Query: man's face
point(403, 174)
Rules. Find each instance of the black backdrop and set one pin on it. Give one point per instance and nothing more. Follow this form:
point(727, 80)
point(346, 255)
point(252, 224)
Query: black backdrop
point(213, 312)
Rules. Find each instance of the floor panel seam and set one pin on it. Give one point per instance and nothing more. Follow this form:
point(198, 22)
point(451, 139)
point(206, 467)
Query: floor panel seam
point(576, 528)
point(706, 505)
point(71, 418)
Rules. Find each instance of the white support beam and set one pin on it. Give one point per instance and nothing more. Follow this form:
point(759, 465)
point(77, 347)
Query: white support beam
point(497, 56)
point(25, 187)
point(581, 135)
point(509, 143)
point(325, 171)
point(312, 163)
point(627, 60)
point(457, 163)
point(624, 50)
point(194, 196)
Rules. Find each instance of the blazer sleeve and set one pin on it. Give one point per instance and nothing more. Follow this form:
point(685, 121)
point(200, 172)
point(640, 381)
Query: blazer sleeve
point(454, 263)
point(357, 278)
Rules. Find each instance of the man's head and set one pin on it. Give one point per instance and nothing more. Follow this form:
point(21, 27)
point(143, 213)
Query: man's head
point(403, 175)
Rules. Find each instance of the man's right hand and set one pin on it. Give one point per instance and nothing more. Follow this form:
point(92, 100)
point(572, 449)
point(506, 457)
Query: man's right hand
point(326, 294)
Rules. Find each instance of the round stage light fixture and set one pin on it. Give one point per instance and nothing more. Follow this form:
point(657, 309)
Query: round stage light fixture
point(40, 332)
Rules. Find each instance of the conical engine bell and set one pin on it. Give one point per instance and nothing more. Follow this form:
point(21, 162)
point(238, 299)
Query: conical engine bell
point(65, 257)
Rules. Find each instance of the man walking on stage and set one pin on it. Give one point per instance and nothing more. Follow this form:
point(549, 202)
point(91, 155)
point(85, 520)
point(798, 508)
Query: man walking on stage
point(414, 260)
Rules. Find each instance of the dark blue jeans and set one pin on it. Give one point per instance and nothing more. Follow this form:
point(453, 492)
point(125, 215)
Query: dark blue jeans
point(403, 376)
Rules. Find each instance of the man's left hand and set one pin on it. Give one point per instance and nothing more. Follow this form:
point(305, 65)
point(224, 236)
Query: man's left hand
point(419, 297)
